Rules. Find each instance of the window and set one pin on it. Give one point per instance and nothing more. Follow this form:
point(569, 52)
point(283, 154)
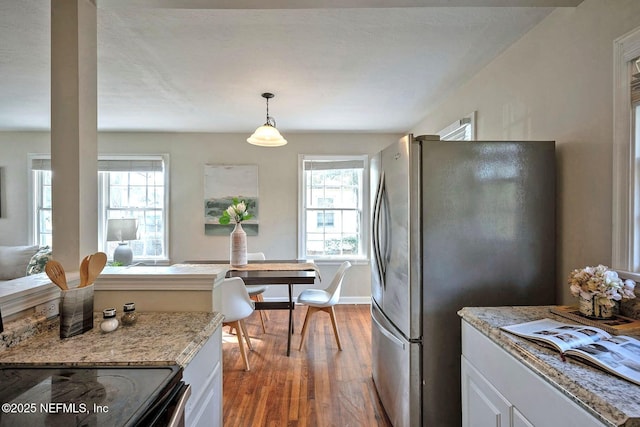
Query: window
point(42, 224)
point(324, 219)
point(460, 130)
point(333, 213)
point(129, 187)
point(626, 155)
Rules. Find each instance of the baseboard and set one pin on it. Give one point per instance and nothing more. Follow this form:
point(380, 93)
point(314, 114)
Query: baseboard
point(343, 300)
point(355, 300)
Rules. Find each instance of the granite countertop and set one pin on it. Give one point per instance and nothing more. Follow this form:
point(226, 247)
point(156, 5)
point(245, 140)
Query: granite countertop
point(611, 399)
point(156, 339)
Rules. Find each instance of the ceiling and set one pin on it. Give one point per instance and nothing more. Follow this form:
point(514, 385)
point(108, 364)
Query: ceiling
point(201, 65)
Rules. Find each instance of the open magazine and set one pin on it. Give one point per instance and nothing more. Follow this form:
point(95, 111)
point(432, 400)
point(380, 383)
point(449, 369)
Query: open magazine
point(617, 354)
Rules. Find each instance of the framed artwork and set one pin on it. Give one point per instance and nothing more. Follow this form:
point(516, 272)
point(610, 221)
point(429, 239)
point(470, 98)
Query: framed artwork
point(223, 183)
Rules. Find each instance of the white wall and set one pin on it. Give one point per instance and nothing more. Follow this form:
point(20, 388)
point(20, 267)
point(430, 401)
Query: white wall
point(556, 83)
point(278, 188)
point(14, 188)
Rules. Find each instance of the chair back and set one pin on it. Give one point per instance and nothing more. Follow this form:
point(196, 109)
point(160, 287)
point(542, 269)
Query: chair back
point(335, 286)
point(255, 256)
point(235, 303)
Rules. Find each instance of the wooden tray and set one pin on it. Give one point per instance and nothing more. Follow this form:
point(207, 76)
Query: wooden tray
point(617, 325)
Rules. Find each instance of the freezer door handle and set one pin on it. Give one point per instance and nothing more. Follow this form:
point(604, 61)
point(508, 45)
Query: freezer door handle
point(380, 270)
point(386, 332)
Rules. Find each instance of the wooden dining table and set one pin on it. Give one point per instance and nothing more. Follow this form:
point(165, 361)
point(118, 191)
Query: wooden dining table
point(273, 272)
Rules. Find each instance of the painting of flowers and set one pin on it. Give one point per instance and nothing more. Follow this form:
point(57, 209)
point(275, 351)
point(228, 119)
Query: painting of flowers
point(222, 185)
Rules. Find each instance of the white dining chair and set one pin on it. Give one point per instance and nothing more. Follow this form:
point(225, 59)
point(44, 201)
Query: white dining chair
point(324, 300)
point(256, 291)
point(235, 307)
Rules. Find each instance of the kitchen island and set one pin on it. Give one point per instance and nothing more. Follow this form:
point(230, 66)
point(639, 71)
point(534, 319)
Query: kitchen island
point(521, 383)
point(191, 340)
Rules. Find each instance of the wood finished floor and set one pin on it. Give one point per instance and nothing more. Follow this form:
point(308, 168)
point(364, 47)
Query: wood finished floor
point(318, 386)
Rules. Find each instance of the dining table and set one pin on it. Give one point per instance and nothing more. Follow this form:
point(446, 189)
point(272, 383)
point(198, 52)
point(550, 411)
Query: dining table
point(273, 272)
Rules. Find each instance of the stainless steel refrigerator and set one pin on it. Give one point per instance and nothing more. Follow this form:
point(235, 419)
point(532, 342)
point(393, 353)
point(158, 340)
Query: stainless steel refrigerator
point(454, 224)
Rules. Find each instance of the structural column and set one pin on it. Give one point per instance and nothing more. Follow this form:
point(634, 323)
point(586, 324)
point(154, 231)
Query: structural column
point(74, 136)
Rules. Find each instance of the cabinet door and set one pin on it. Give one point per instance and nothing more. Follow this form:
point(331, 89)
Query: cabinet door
point(519, 420)
point(482, 404)
point(204, 373)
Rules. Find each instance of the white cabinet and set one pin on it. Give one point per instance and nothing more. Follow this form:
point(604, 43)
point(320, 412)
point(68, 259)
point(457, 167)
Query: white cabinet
point(500, 391)
point(518, 419)
point(482, 404)
point(204, 374)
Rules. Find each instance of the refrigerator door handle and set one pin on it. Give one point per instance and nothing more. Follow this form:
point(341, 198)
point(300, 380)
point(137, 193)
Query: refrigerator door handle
point(386, 332)
point(376, 229)
point(385, 251)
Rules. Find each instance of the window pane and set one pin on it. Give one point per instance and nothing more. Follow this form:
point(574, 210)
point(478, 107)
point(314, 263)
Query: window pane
point(315, 244)
point(41, 219)
point(118, 197)
point(350, 244)
point(350, 221)
point(118, 178)
point(312, 224)
point(138, 178)
point(45, 221)
point(156, 197)
point(138, 196)
point(46, 195)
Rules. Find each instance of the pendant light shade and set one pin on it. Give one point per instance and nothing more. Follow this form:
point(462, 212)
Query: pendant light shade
point(267, 135)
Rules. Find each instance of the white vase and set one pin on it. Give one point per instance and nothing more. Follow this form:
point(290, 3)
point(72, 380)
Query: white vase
point(238, 246)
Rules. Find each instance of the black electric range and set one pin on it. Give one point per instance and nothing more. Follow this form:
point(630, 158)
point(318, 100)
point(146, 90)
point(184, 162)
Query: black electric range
point(84, 396)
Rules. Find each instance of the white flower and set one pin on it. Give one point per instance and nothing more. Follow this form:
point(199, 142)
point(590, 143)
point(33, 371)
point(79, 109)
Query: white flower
point(600, 283)
point(611, 276)
point(237, 212)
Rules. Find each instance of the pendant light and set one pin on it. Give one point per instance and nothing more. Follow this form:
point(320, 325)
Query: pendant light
point(267, 135)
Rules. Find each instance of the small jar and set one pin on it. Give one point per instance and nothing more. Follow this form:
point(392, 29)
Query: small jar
point(130, 316)
point(109, 322)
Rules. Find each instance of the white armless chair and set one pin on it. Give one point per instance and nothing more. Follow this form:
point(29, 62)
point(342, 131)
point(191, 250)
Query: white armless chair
point(324, 300)
point(237, 306)
point(256, 291)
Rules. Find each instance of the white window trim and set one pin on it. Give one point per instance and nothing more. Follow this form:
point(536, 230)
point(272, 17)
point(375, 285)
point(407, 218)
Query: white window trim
point(625, 197)
point(458, 127)
point(31, 232)
point(364, 258)
point(167, 197)
point(165, 158)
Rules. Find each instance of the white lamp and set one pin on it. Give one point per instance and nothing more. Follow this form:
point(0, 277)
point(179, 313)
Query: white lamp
point(121, 230)
point(267, 135)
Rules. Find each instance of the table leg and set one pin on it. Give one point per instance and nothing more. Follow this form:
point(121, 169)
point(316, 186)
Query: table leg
point(291, 307)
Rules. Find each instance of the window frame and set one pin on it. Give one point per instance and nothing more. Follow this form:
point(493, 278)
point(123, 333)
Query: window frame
point(102, 205)
point(365, 221)
point(463, 129)
point(36, 193)
point(625, 192)
point(102, 194)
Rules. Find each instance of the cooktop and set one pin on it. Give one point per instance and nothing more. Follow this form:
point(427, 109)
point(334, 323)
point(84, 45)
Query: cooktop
point(80, 396)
